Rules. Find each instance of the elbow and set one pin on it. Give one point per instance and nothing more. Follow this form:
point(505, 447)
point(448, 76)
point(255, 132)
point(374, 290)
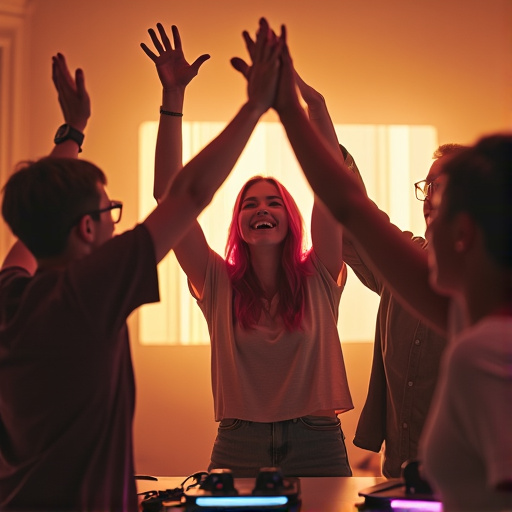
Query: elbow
point(198, 197)
point(201, 197)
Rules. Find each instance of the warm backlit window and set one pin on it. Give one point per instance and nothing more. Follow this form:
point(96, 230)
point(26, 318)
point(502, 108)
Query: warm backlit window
point(390, 159)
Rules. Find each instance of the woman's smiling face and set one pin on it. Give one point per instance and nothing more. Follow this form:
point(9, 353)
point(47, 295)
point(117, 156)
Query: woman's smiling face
point(263, 218)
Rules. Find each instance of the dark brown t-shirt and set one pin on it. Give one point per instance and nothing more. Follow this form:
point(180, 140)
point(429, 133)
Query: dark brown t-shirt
point(66, 379)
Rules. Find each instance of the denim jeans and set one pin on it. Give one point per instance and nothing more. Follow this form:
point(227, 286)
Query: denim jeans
point(307, 446)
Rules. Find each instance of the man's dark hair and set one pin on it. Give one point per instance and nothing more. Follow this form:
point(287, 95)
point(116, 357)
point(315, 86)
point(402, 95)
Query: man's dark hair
point(44, 199)
point(447, 149)
point(480, 183)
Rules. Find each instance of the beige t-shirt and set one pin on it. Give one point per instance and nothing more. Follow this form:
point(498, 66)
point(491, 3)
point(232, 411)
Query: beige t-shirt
point(267, 374)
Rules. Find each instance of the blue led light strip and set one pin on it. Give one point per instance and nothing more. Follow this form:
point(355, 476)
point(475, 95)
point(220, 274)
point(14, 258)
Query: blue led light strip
point(241, 501)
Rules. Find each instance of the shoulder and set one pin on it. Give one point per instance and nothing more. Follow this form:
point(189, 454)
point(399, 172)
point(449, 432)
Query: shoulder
point(314, 266)
point(129, 245)
point(492, 332)
point(312, 263)
point(217, 277)
point(485, 345)
point(138, 235)
point(14, 282)
point(10, 275)
point(319, 280)
point(216, 263)
point(126, 259)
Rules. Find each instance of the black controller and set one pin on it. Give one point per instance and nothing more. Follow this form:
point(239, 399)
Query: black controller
point(220, 491)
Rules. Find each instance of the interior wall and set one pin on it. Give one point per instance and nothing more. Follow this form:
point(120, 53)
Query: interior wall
point(444, 63)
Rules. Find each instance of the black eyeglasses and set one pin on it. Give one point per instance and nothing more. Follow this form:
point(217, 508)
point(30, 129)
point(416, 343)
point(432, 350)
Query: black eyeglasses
point(115, 209)
point(423, 189)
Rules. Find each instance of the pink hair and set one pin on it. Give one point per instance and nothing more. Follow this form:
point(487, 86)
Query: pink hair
point(246, 287)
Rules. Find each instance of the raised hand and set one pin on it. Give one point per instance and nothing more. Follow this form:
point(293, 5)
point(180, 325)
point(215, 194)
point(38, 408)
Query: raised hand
point(262, 76)
point(286, 96)
point(173, 69)
point(286, 65)
point(73, 97)
point(240, 64)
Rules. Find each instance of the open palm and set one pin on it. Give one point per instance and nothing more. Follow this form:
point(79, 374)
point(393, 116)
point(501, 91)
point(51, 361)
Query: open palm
point(173, 69)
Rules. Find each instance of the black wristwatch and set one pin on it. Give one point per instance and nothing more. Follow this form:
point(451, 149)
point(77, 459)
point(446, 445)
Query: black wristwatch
point(67, 132)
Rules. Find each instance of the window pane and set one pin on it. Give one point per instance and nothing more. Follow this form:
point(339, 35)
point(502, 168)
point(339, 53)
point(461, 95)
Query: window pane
point(390, 158)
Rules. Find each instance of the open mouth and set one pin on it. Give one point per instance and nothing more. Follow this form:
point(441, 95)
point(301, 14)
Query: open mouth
point(263, 224)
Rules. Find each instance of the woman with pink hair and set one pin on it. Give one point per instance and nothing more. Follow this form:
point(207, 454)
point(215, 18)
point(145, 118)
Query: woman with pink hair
point(278, 374)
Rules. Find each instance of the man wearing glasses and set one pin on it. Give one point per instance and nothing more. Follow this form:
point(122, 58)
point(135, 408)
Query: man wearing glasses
point(406, 355)
point(66, 377)
point(67, 391)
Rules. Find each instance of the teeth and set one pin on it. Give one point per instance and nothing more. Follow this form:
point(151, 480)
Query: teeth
point(263, 225)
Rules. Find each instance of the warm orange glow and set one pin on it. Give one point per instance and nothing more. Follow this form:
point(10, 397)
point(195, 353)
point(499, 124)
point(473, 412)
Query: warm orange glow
point(390, 158)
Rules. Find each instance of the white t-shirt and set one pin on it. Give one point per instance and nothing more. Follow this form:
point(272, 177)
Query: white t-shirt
point(467, 442)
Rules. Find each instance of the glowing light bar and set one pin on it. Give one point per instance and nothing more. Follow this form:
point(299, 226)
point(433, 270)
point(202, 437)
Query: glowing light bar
point(241, 501)
point(424, 506)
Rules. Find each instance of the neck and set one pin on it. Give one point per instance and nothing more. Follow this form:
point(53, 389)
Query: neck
point(489, 295)
point(266, 263)
point(52, 263)
point(72, 252)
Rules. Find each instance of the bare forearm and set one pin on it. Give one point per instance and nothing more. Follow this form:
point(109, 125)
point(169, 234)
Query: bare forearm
point(205, 172)
point(320, 167)
point(194, 186)
point(66, 149)
point(321, 120)
point(169, 144)
point(403, 265)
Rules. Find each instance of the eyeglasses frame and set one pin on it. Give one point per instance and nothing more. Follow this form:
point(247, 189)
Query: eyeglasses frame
point(418, 189)
point(114, 205)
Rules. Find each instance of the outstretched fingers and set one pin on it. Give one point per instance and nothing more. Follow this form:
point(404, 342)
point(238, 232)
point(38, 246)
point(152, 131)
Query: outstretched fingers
point(165, 39)
point(279, 43)
point(148, 52)
point(72, 94)
point(177, 38)
point(160, 47)
point(199, 62)
point(60, 72)
point(156, 42)
point(80, 82)
point(264, 73)
point(262, 35)
point(241, 66)
point(249, 43)
point(173, 69)
point(286, 97)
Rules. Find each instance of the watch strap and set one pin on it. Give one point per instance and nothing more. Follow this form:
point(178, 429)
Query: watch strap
point(67, 132)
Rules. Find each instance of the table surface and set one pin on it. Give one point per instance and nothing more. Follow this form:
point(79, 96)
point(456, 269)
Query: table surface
point(319, 494)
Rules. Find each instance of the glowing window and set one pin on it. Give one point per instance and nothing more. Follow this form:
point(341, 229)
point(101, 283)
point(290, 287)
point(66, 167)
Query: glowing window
point(390, 159)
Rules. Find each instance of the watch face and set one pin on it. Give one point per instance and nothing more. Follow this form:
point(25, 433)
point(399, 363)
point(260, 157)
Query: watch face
point(67, 132)
point(62, 131)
